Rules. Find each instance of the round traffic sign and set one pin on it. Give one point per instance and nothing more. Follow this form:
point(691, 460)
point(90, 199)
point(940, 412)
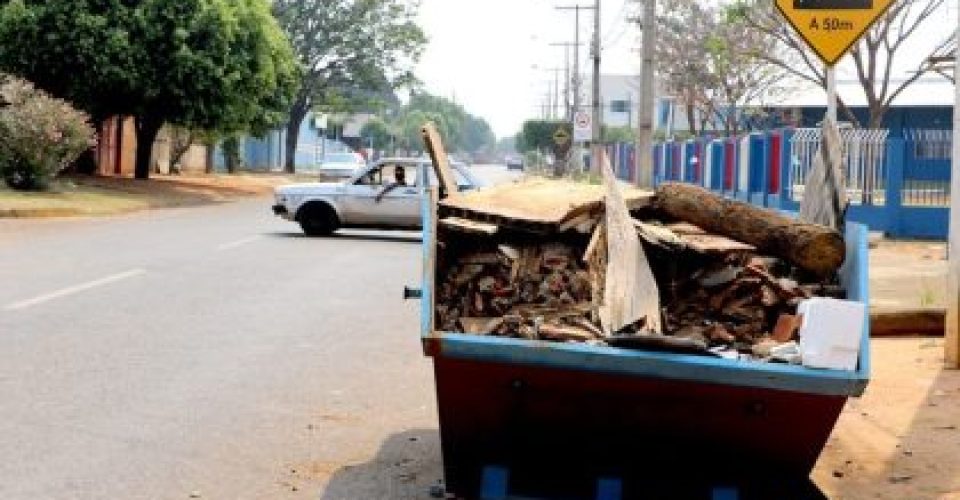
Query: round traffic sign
point(582, 119)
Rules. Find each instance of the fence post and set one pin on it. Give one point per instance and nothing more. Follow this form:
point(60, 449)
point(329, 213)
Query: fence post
point(893, 192)
point(655, 171)
point(786, 165)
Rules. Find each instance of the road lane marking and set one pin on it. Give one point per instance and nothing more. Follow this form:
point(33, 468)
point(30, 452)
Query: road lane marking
point(235, 244)
point(63, 292)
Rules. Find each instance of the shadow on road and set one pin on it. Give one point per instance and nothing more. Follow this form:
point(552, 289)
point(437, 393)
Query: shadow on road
point(356, 234)
point(406, 466)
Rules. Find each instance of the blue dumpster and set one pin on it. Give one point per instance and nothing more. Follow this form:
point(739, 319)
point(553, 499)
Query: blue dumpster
point(562, 420)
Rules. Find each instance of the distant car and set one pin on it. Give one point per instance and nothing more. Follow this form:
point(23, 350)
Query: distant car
point(514, 163)
point(323, 207)
point(340, 165)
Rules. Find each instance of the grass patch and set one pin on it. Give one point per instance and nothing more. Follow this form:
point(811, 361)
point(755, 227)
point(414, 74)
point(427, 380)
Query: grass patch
point(83, 196)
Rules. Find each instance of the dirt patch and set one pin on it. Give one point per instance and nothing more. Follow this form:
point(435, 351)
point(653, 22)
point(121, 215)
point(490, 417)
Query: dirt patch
point(902, 438)
point(908, 275)
point(82, 196)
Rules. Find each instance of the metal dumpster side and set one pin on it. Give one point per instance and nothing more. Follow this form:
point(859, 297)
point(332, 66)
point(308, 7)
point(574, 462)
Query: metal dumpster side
point(560, 415)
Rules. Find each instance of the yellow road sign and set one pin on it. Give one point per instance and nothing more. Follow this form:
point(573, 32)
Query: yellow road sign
point(561, 137)
point(831, 27)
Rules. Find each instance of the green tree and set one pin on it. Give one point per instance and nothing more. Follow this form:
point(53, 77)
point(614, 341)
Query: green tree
point(378, 132)
point(220, 65)
point(537, 135)
point(461, 131)
point(619, 134)
point(347, 48)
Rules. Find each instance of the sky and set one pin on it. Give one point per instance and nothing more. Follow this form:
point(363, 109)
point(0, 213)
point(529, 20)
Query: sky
point(492, 56)
point(483, 53)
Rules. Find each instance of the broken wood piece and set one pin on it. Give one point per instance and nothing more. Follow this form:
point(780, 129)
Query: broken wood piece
point(541, 202)
point(658, 342)
point(565, 333)
point(658, 236)
point(713, 244)
point(683, 235)
point(469, 226)
point(594, 243)
point(786, 327)
point(816, 248)
point(510, 252)
point(768, 296)
point(480, 326)
point(582, 223)
point(719, 277)
point(434, 146)
point(586, 324)
point(630, 292)
point(718, 333)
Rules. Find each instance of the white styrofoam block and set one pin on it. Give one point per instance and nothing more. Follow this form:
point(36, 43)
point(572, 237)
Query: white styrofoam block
point(830, 332)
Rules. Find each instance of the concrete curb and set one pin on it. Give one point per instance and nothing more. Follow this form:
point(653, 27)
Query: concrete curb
point(39, 212)
point(907, 323)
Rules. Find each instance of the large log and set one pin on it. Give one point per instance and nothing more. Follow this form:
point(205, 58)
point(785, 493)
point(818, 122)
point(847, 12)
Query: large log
point(813, 247)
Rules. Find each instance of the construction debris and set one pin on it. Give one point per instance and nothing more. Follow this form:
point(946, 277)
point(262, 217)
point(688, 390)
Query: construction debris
point(815, 248)
point(565, 262)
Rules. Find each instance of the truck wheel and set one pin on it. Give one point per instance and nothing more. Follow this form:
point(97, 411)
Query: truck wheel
point(318, 219)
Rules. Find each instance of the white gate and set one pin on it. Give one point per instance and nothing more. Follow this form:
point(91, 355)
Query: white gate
point(864, 165)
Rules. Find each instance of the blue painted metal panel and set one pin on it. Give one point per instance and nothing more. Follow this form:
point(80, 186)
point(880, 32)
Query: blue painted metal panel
point(927, 170)
point(876, 218)
point(716, 160)
point(923, 222)
point(609, 489)
point(494, 484)
point(758, 163)
point(691, 161)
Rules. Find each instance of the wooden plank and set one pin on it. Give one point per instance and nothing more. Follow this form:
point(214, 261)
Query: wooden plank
point(539, 201)
point(434, 145)
point(469, 226)
point(630, 293)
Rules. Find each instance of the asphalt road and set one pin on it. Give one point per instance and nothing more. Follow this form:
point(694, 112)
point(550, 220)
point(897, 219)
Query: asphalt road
point(211, 352)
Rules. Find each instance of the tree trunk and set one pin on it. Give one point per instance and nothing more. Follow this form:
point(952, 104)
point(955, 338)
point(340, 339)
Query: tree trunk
point(297, 113)
point(147, 128)
point(231, 154)
point(692, 120)
point(209, 168)
point(180, 142)
point(813, 247)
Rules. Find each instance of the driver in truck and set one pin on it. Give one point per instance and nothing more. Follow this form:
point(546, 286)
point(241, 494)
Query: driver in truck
point(400, 180)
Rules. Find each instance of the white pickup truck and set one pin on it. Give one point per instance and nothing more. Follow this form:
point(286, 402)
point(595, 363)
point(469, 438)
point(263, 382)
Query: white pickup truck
point(370, 198)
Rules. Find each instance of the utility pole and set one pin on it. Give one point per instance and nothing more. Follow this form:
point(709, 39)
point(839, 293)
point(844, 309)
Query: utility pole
point(554, 108)
point(597, 110)
point(576, 52)
point(644, 155)
point(577, 157)
point(568, 110)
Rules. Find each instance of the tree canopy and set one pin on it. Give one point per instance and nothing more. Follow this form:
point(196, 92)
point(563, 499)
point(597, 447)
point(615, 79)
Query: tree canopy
point(349, 50)
point(537, 135)
point(874, 57)
point(711, 62)
point(461, 130)
point(207, 64)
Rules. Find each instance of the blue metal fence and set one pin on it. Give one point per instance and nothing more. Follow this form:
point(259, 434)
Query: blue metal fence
point(897, 185)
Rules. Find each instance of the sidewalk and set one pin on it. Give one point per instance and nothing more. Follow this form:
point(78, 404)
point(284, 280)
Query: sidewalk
point(908, 287)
